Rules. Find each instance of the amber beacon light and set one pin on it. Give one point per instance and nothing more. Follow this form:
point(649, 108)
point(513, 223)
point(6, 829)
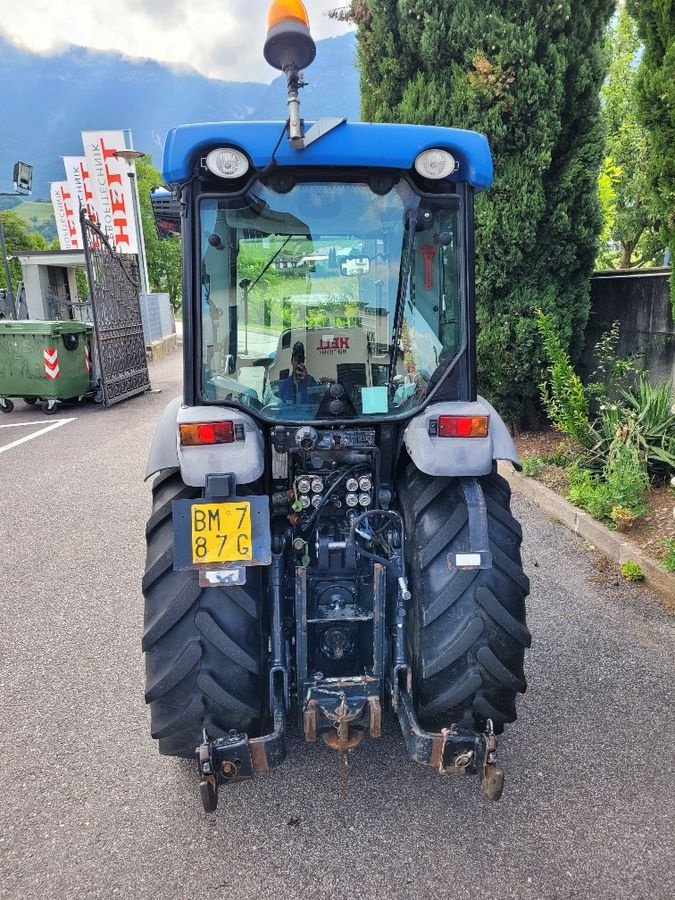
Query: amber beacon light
point(288, 43)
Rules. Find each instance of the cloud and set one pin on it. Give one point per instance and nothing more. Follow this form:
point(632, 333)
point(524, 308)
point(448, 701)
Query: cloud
point(219, 39)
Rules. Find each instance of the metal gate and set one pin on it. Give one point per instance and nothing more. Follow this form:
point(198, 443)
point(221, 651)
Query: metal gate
point(120, 345)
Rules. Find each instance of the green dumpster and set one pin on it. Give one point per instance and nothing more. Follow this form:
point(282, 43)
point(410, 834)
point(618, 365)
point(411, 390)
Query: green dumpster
point(46, 361)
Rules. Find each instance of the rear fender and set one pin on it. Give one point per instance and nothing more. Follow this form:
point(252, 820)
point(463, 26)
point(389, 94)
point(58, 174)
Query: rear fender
point(459, 456)
point(245, 457)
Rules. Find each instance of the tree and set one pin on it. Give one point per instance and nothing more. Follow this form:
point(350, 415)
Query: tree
point(163, 256)
point(17, 237)
point(628, 216)
point(655, 86)
point(528, 75)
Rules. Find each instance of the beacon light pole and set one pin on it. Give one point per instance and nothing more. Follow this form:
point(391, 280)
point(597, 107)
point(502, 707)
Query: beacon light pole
point(130, 157)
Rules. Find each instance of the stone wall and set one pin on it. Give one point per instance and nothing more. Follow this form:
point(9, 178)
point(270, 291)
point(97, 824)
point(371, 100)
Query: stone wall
point(640, 300)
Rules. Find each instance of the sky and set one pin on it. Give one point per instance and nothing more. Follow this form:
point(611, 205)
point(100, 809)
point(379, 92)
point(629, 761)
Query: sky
point(219, 38)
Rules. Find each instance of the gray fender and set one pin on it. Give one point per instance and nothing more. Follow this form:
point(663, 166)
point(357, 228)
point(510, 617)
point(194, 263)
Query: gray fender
point(458, 456)
point(244, 457)
point(164, 447)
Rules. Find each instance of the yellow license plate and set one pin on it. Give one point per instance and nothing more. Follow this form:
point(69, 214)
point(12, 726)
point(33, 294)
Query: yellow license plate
point(221, 532)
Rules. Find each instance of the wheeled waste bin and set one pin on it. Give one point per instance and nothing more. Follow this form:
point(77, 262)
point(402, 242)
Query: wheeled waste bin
point(43, 360)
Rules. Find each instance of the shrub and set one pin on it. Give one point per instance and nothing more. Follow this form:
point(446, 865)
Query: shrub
point(612, 372)
point(631, 571)
point(617, 494)
point(652, 410)
point(643, 411)
point(564, 396)
point(669, 558)
point(589, 492)
point(533, 466)
point(622, 517)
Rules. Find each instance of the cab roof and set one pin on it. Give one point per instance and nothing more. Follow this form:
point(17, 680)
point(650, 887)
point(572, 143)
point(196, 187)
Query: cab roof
point(357, 144)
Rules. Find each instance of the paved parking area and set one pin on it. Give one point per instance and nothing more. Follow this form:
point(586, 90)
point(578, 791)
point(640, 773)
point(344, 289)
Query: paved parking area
point(89, 810)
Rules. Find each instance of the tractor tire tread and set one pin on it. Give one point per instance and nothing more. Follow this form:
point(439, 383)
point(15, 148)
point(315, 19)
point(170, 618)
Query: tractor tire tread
point(204, 647)
point(467, 632)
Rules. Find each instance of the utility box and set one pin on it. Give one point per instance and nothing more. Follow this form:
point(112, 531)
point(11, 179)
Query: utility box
point(41, 360)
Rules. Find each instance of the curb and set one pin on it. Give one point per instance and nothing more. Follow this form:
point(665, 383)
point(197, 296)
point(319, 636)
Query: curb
point(159, 349)
point(613, 545)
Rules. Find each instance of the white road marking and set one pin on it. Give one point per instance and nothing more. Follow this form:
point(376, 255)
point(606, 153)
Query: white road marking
point(21, 424)
point(29, 437)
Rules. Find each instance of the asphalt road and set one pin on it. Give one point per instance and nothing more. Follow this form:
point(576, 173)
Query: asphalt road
point(89, 810)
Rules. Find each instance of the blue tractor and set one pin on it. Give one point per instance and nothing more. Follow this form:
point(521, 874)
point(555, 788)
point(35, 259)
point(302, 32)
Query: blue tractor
point(329, 536)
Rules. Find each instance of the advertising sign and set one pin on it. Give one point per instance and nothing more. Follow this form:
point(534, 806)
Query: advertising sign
point(66, 215)
point(111, 187)
point(77, 176)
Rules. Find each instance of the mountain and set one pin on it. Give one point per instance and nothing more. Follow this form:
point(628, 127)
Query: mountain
point(47, 101)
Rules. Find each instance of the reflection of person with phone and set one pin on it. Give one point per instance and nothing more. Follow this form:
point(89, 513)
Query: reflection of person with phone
point(294, 388)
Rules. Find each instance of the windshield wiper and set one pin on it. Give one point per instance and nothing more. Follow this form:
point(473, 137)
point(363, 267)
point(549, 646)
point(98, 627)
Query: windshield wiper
point(247, 284)
point(401, 295)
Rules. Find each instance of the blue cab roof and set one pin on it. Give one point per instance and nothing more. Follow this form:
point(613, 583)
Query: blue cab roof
point(350, 144)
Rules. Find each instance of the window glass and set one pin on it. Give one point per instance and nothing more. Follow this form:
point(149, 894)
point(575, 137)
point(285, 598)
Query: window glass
point(302, 299)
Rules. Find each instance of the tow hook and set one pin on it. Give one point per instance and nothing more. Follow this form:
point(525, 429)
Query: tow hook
point(226, 759)
point(452, 751)
point(493, 777)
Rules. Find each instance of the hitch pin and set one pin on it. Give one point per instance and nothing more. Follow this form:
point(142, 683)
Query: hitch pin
point(403, 587)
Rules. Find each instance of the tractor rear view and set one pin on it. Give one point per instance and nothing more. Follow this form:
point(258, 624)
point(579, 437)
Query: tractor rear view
point(329, 537)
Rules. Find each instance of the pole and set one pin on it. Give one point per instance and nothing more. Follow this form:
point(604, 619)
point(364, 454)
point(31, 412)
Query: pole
point(8, 277)
point(140, 238)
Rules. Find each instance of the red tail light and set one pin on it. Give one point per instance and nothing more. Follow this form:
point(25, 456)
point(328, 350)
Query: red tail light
point(199, 433)
point(462, 426)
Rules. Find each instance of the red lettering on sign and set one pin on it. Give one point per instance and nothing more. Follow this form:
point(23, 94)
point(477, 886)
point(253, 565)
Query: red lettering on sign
point(117, 200)
point(337, 343)
point(121, 233)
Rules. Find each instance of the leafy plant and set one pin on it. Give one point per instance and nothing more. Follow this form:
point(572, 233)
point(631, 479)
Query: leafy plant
point(617, 494)
point(589, 492)
point(622, 517)
point(654, 416)
point(612, 372)
point(563, 454)
point(533, 466)
point(631, 571)
point(643, 412)
point(564, 395)
point(669, 558)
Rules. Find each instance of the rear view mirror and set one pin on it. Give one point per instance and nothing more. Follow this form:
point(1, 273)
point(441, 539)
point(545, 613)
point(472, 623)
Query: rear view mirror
point(166, 210)
point(355, 266)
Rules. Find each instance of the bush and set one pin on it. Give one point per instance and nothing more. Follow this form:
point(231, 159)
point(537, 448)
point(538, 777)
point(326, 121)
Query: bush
point(651, 408)
point(631, 571)
point(533, 466)
point(669, 559)
point(616, 495)
point(643, 412)
point(564, 396)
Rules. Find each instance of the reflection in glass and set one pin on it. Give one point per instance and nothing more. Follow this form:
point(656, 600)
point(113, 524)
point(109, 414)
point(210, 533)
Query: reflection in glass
point(299, 292)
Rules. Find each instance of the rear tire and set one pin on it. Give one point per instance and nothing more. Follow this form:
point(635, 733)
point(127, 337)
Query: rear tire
point(203, 647)
point(468, 633)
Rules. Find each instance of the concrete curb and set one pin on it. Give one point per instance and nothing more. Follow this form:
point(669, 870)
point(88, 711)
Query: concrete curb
point(611, 543)
point(159, 349)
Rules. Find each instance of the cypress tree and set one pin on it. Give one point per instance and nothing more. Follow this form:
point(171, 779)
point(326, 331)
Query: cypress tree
point(528, 76)
point(655, 86)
